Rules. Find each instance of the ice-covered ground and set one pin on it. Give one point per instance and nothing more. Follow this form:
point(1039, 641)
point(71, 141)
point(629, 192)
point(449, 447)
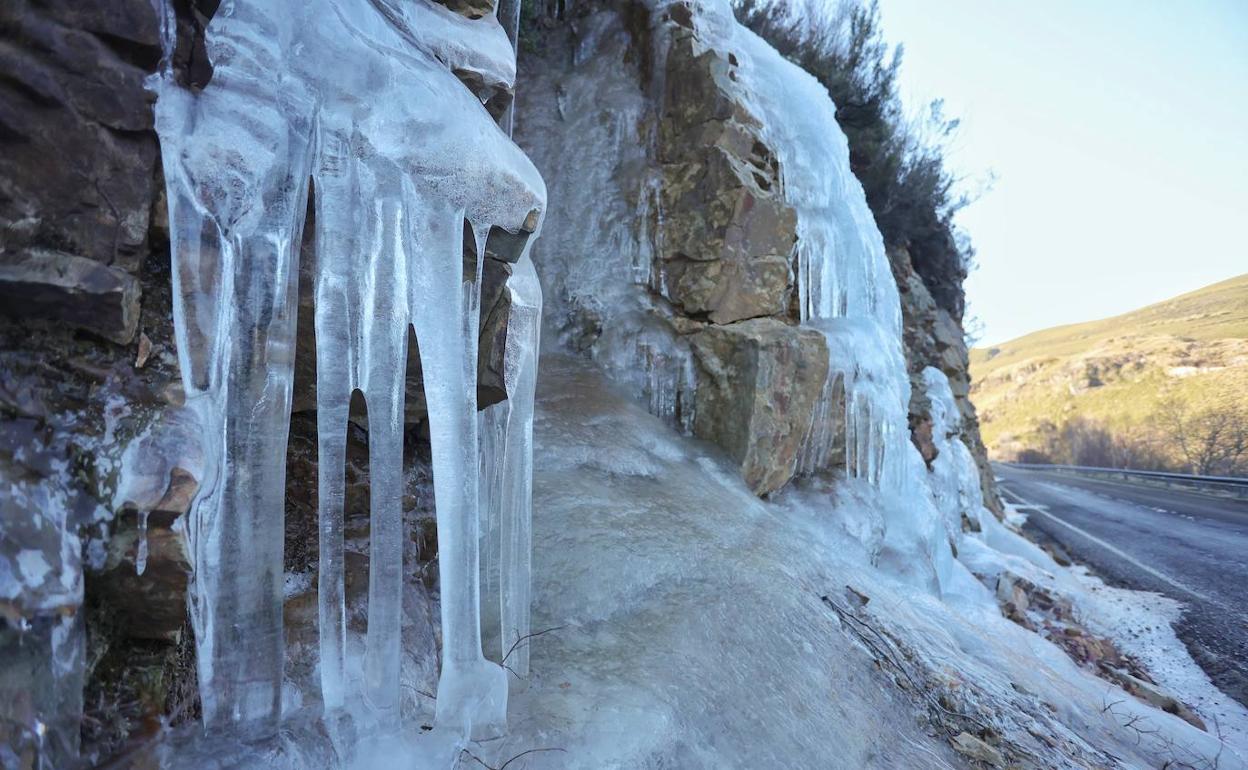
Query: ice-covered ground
point(691, 631)
point(1141, 624)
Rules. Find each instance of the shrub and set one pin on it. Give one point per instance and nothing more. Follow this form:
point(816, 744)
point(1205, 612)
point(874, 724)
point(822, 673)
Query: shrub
point(899, 159)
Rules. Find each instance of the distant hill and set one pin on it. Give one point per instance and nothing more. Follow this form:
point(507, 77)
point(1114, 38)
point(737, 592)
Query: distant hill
point(1120, 376)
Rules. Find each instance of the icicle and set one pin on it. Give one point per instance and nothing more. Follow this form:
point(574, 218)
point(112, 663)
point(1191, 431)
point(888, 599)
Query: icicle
point(511, 507)
point(336, 333)
point(954, 477)
point(446, 329)
point(400, 153)
point(383, 363)
point(140, 557)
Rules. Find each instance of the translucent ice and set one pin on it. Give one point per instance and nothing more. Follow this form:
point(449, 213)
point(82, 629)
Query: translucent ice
point(507, 473)
point(954, 479)
point(597, 254)
point(356, 101)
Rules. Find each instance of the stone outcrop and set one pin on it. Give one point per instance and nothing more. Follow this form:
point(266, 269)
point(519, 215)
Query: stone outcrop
point(726, 233)
point(77, 291)
point(78, 175)
point(725, 249)
point(759, 385)
point(933, 336)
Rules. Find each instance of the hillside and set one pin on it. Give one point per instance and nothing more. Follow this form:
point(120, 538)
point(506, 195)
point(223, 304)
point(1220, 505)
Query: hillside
point(1106, 381)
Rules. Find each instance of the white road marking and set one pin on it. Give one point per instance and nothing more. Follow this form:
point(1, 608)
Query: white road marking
point(1043, 510)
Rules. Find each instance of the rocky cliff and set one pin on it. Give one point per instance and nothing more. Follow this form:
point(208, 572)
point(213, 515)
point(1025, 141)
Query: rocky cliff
point(620, 118)
point(695, 305)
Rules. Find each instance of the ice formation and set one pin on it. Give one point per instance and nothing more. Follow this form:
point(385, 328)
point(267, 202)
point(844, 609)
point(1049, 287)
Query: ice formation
point(506, 431)
point(954, 477)
point(605, 295)
point(844, 284)
point(356, 101)
point(598, 250)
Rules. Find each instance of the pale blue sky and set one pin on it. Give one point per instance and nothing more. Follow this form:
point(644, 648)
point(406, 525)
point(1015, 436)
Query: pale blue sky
point(1117, 130)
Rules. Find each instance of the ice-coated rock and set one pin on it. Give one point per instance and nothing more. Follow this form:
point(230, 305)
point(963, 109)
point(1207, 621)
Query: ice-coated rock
point(365, 104)
point(759, 383)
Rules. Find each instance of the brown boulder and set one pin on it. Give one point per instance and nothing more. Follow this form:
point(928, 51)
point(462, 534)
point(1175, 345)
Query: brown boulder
point(758, 385)
point(727, 234)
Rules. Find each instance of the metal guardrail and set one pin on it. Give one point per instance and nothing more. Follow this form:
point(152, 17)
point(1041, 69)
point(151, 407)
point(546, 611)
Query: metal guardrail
point(1235, 485)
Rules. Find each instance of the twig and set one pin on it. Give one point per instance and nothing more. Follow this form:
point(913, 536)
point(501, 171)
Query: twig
point(418, 691)
point(891, 658)
point(488, 766)
point(533, 635)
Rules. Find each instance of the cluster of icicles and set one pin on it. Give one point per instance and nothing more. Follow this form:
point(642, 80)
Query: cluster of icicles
point(354, 103)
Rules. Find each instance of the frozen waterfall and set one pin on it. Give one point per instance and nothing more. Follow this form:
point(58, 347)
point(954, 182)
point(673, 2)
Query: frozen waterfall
point(357, 101)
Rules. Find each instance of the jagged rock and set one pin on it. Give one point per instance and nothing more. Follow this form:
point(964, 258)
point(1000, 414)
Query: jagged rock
point(1153, 695)
point(1053, 617)
point(758, 384)
point(55, 286)
point(72, 87)
point(968, 745)
point(148, 565)
point(932, 336)
point(727, 233)
point(151, 605)
point(1012, 596)
point(492, 340)
point(921, 437)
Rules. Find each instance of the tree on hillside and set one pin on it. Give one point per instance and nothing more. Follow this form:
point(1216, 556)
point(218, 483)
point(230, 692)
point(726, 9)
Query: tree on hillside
point(1088, 442)
point(1212, 441)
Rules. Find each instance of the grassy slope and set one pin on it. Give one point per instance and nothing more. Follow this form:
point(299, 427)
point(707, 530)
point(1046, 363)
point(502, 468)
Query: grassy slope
point(1115, 370)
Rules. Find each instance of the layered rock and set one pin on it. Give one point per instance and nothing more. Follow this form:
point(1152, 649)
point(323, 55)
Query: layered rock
point(78, 176)
point(725, 249)
point(726, 234)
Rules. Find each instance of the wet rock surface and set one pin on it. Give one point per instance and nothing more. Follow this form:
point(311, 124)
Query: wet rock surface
point(760, 380)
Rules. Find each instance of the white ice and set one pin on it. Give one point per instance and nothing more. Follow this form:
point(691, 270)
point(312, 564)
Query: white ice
point(357, 101)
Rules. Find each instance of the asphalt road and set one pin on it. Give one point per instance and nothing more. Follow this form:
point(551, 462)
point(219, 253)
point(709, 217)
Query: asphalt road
point(1189, 546)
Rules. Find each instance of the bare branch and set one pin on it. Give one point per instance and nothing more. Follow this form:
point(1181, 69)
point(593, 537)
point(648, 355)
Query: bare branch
point(527, 637)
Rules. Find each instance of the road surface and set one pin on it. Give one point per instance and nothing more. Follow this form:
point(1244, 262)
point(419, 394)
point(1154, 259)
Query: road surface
point(1189, 546)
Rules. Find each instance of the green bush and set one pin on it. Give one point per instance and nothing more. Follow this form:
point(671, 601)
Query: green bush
point(900, 160)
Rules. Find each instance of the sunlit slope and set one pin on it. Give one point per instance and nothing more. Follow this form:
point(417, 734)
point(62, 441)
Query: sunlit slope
point(1116, 370)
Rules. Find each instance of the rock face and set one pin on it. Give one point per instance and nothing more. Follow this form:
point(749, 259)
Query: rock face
point(761, 379)
point(100, 588)
point(727, 235)
point(716, 244)
point(97, 466)
point(78, 176)
point(725, 250)
point(933, 336)
point(73, 290)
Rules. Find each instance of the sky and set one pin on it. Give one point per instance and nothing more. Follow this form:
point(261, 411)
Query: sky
point(1117, 132)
